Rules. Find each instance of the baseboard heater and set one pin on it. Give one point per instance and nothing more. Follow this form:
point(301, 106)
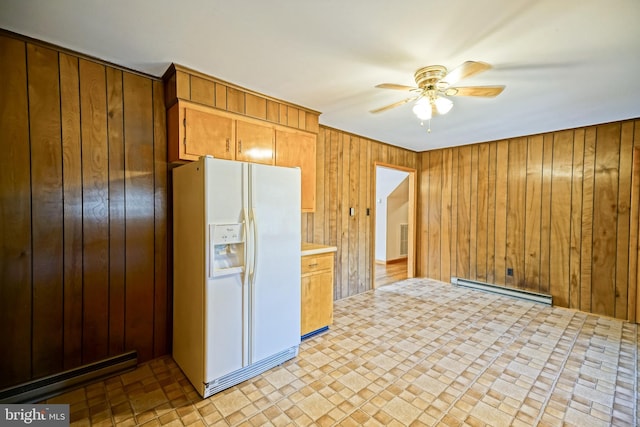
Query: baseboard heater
point(44, 388)
point(502, 290)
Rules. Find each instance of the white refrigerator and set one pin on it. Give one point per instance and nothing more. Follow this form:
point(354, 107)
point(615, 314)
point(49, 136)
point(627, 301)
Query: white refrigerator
point(236, 270)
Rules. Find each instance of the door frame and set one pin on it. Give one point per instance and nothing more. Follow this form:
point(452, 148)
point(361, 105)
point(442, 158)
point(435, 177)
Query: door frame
point(633, 302)
point(412, 210)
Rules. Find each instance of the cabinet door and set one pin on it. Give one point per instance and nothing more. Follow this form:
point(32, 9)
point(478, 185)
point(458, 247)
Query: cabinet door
point(208, 133)
point(254, 142)
point(298, 149)
point(317, 301)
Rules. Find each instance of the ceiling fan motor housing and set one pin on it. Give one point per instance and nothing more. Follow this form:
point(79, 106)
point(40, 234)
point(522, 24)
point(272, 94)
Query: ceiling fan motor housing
point(428, 77)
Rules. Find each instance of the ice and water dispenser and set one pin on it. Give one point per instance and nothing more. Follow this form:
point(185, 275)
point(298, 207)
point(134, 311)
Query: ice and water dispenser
point(227, 249)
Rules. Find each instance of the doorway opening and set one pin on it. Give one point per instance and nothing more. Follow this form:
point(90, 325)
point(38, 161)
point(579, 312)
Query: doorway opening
point(394, 224)
point(633, 307)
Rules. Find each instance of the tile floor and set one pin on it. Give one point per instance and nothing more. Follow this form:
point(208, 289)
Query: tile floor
point(416, 352)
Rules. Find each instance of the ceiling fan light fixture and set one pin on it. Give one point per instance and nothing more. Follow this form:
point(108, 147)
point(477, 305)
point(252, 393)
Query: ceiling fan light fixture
point(435, 83)
point(422, 109)
point(443, 105)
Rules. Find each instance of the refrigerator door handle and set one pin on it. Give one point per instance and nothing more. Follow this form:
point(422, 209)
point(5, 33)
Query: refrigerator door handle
point(247, 242)
point(254, 245)
point(251, 291)
point(246, 281)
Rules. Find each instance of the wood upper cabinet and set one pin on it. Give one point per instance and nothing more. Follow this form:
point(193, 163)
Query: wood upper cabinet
point(298, 149)
point(254, 142)
point(195, 131)
point(207, 133)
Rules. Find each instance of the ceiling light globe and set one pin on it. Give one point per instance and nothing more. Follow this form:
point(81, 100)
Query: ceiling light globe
point(422, 109)
point(443, 105)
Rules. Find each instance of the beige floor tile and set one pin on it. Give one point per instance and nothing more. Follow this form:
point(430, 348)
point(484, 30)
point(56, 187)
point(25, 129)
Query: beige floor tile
point(417, 352)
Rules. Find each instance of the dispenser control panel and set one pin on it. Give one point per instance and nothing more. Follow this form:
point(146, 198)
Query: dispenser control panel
point(227, 233)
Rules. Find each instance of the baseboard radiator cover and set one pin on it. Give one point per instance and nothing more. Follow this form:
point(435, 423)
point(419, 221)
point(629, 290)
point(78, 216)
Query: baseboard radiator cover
point(541, 298)
point(53, 385)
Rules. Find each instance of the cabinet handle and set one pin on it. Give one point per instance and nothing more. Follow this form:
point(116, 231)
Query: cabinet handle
point(240, 146)
point(313, 265)
point(227, 145)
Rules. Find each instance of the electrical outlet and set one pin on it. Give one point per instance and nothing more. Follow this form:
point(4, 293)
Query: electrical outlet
point(510, 272)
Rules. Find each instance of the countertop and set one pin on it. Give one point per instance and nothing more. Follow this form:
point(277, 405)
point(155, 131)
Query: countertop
point(315, 249)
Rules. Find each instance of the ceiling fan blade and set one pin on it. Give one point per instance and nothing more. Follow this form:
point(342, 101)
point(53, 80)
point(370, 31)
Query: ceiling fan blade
point(394, 105)
point(464, 70)
point(485, 91)
point(395, 86)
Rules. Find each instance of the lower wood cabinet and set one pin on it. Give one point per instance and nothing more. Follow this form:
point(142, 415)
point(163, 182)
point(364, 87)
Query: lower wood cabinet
point(317, 292)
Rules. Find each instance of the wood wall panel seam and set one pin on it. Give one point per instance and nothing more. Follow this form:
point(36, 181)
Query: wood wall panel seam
point(586, 278)
point(162, 296)
point(473, 214)
point(117, 238)
point(15, 227)
point(491, 212)
point(545, 227)
point(576, 219)
point(605, 218)
point(621, 289)
point(46, 212)
point(72, 208)
point(502, 156)
point(95, 179)
point(533, 212)
point(634, 247)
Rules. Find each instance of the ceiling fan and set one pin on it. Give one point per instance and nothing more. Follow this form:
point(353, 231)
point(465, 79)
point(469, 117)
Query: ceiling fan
point(435, 84)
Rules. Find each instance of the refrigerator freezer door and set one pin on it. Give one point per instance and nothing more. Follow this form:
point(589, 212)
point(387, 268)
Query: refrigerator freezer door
point(275, 293)
point(226, 324)
point(224, 328)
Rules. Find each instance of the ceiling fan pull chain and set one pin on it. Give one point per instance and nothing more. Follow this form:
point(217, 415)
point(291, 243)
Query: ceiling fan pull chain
point(429, 127)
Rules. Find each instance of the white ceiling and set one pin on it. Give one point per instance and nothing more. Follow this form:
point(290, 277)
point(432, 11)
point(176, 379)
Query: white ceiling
point(565, 63)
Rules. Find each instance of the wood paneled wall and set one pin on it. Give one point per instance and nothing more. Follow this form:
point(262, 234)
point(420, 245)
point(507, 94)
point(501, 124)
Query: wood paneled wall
point(345, 179)
point(553, 208)
point(83, 212)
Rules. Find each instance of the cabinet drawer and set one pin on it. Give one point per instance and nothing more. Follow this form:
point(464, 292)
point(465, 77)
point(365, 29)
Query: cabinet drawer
point(313, 263)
